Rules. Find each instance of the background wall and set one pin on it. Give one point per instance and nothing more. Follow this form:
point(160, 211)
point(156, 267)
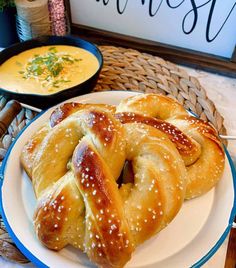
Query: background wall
point(203, 25)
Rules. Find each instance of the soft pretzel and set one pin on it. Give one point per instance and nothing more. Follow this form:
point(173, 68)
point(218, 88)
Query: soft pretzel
point(57, 115)
point(74, 164)
point(69, 199)
point(155, 196)
point(188, 148)
point(202, 150)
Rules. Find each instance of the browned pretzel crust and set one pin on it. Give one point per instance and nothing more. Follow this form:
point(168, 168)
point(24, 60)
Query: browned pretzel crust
point(77, 157)
point(74, 164)
point(205, 170)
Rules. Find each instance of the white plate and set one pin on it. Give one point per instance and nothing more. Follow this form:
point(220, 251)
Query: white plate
point(190, 239)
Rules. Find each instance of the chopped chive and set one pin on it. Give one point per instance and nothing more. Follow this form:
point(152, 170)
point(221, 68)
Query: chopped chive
point(47, 67)
point(18, 63)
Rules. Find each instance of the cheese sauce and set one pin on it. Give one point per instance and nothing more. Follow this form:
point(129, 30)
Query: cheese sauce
point(47, 69)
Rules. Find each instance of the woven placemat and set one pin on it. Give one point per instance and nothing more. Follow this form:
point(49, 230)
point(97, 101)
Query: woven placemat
point(125, 69)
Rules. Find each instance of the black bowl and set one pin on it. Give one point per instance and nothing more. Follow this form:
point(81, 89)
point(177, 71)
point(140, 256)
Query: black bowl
point(45, 101)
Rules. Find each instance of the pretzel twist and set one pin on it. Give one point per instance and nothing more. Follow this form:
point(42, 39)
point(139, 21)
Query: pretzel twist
point(198, 144)
point(74, 163)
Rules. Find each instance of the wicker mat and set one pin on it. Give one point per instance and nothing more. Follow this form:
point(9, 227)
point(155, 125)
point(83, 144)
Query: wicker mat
point(125, 69)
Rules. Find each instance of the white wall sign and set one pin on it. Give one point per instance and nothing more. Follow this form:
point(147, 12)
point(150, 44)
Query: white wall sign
point(203, 25)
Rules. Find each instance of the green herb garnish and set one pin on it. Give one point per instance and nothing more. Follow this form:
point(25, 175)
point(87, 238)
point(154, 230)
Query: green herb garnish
point(47, 67)
point(18, 63)
point(53, 49)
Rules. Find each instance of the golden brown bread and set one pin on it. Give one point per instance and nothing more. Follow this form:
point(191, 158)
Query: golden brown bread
point(74, 164)
point(202, 150)
point(58, 115)
point(155, 196)
point(67, 109)
point(72, 193)
point(187, 147)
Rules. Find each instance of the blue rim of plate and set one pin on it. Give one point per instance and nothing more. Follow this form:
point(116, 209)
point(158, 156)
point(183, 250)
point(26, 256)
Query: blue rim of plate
point(40, 264)
point(14, 237)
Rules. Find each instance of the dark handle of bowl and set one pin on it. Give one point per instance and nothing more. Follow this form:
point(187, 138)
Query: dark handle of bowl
point(8, 113)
